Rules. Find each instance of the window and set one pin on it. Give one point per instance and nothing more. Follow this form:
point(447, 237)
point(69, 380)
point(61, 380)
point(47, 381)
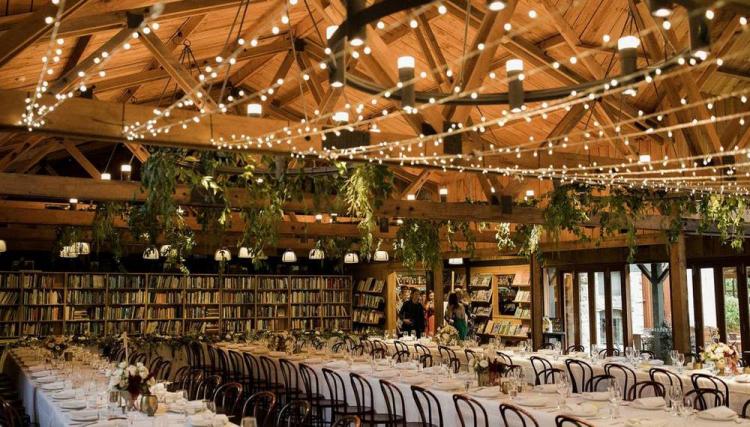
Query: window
point(617, 307)
point(583, 288)
point(601, 317)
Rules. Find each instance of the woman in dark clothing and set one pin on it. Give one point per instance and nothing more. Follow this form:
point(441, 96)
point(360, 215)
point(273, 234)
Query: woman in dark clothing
point(412, 315)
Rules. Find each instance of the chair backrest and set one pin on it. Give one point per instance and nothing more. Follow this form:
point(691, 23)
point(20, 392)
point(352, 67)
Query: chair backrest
point(504, 358)
point(269, 373)
point(651, 388)
point(625, 376)
point(261, 406)
point(401, 347)
point(470, 412)
point(609, 352)
point(470, 355)
point(539, 364)
point(447, 355)
point(565, 420)
point(310, 381)
point(401, 356)
point(9, 415)
point(208, 386)
point(394, 401)
point(163, 369)
point(336, 386)
point(705, 381)
point(195, 355)
point(379, 344)
point(425, 355)
point(227, 399)
point(191, 381)
point(290, 376)
point(294, 414)
point(579, 373)
point(512, 412)
point(362, 391)
point(428, 406)
point(252, 367)
point(549, 376)
point(665, 377)
point(348, 421)
point(153, 364)
point(705, 398)
point(547, 346)
point(511, 370)
point(572, 348)
point(236, 364)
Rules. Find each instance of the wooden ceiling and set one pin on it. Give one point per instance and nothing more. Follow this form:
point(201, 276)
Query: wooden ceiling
point(560, 30)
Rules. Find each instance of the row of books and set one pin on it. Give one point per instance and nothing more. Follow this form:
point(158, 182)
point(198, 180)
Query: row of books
point(202, 313)
point(94, 281)
point(305, 297)
point(202, 297)
point(335, 283)
point(85, 297)
point(305, 311)
point(483, 295)
point(121, 281)
point(503, 328)
point(8, 329)
point(370, 285)
point(369, 317)
point(523, 313)
point(37, 329)
point(238, 283)
point(335, 311)
point(239, 298)
point(523, 296)
point(368, 301)
point(336, 297)
point(36, 314)
point(85, 328)
point(127, 297)
point(37, 296)
point(127, 312)
point(84, 314)
point(237, 326)
point(165, 298)
point(237, 312)
point(481, 281)
point(8, 298)
point(272, 311)
point(8, 314)
point(334, 324)
point(164, 312)
point(12, 280)
point(117, 328)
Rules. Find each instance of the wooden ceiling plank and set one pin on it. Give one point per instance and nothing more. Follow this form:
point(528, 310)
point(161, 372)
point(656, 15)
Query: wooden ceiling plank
point(33, 28)
point(434, 45)
point(719, 48)
point(177, 71)
point(11, 157)
point(40, 153)
point(82, 160)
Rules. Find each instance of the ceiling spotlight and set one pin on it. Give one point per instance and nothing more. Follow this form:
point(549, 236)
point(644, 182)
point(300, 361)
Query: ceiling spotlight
point(125, 171)
point(222, 255)
point(628, 48)
point(330, 30)
point(106, 176)
point(82, 248)
point(411, 197)
point(644, 158)
point(514, 69)
point(529, 193)
point(495, 5)
point(357, 37)
point(660, 8)
point(443, 192)
point(406, 66)
point(244, 253)
point(340, 116)
point(380, 256)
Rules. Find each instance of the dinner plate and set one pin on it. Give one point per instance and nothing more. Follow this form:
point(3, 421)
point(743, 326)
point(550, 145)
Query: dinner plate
point(40, 374)
point(414, 380)
point(597, 396)
point(85, 415)
point(46, 380)
point(546, 388)
point(277, 354)
point(389, 373)
point(53, 386)
point(486, 392)
point(448, 386)
point(637, 405)
point(533, 401)
point(73, 404)
point(64, 394)
point(744, 378)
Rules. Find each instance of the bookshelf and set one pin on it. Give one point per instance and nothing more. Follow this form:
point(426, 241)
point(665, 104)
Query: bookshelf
point(41, 303)
point(369, 303)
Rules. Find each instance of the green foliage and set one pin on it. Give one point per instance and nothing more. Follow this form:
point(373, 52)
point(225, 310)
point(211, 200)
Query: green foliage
point(725, 213)
point(659, 341)
point(566, 210)
point(732, 312)
point(418, 242)
point(66, 236)
point(104, 232)
point(368, 184)
point(529, 237)
point(503, 237)
point(464, 227)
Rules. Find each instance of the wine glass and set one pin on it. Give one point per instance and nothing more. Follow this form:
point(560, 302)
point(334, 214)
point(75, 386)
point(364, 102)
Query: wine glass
point(680, 362)
point(248, 422)
point(674, 394)
point(615, 396)
point(562, 390)
point(686, 409)
point(673, 356)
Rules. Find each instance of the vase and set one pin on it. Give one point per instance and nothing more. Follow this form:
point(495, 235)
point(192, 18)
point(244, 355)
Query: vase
point(721, 366)
point(127, 400)
point(149, 404)
point(483, 379)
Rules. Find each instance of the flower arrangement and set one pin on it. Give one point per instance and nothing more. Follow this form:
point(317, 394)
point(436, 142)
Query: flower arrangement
point(135, 379)
point(722, 355)
point(480, 364)
point(57, 345)
point(447, 335)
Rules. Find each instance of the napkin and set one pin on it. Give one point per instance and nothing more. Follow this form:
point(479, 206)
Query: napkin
point(338, 364)
point(644, 422)
point(485, 392)
point(207, 420)
point(584, 409)
point(718, 413)
point(448, 385)
point(655, 362)
point(533, 401)
point(546, 388)
point(158, 388)
point(73, 404)
point(650, 402)
point(597, 396)
point(85, 415)
point(744, 378)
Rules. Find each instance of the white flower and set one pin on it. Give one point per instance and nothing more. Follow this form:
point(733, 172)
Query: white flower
point(132, 370)
point(484, 363)
point(122, 365)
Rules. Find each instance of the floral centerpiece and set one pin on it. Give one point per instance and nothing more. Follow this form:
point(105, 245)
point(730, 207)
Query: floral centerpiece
point(57, 345)
point(722, 355)
point(447, 335)
point(134, 379)
point(481, 367)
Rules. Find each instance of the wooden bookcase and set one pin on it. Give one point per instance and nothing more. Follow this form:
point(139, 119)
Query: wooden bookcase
point(41, 303)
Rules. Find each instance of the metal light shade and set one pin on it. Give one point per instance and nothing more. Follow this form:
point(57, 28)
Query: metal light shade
point(222, 255)
point(3, 246)
point(317, 254)
point(406, 66)
point(164, 250)
point(244, 253)
point(358, 35)
point(351, 258)
point(514, 69)
point(628, 48)
point(151, 253)
point(660, 8)
point(68, 252)
point(455, 261)
point(495, 5)
point(381, 256)
point(82, 248)
point(289, 256)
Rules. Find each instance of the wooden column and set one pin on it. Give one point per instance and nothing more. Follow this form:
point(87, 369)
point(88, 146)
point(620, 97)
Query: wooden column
point(679, 294)
point(390, 302)
point(742, 295)
point(537, 305)
point(437, 288)
point(627, 322)
point(698, 306)
point(721, 320)
point(576, 308)
point(593, 321)
point(608, 322)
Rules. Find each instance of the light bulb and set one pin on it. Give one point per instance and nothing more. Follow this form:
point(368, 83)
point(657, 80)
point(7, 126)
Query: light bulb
point(628, 42)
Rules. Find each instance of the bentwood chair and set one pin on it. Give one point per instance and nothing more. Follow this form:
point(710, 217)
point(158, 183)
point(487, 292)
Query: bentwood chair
point(609, 352)
point(295, 414)
point(191, 381)
point(337, 393)
point(291, 380)
point(425, 355)
point(253, 369)
point(665, 377)
point(236, 368)
point(705, 398)
point(625, 376)
point(540, 365)
point(745, 409)
point(547, 346)
point(585, 380)
point(448, 356)
point(262, 407)
point(428, 406)
point(638, 389)
point(270, 377)
point(365, 399)
point(565, 420)
point(710, 382)
point(470, 355)
point(348, 421)
point(9, 415)
point(208, 386)
point(519, 415)
point(470, 412)
point(396, 405)
point(162, 370)
point(574, 348)
point(312, 392)
point(228, 399)
point(504, 358)
point(401, 347)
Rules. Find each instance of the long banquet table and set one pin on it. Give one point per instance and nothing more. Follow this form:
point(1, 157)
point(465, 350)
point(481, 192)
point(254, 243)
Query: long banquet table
point(44, 410)
point(545, 416)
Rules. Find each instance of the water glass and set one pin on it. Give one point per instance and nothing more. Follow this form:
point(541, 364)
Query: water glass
point(686, 409)
point(248, 422)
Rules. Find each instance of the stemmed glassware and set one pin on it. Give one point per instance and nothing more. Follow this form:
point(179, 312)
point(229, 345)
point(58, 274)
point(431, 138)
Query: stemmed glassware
point(615, 397)
point(562, 386)
point(674, 394)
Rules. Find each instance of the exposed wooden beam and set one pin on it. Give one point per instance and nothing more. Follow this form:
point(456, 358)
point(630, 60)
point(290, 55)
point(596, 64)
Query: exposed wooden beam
point(39, 153)
point(416, 185)
point(174, 42)
point(282, 72)
point(76, 54)
point(177, 71)
point(313, 84)
point(31, 29)
point(79, 157)
point(734, 73)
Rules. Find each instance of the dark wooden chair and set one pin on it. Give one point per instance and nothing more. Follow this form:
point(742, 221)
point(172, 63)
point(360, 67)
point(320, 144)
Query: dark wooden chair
point(296, 413)
point(587, 379)
point(270, 377)
point(253, 369)
point(261, 406)
point(448, 356)
point(705, 398)
point(624, 375)
point(574, 348)
point(745, 408)
point(705, 381)
point(365, 401)
point(609, 352)
point(228, 398)
point(291, 379)
point(425, 355)
point(337, 392)
point(470, 412)
point(519, 416)
point(312, 392)
point(428, 406)
point(208, 386)
point(637, 390)
point(539, 365)
point(565, 420)
point(664, 376)
point(547, 346)
point(504, 358)
point(9, 415)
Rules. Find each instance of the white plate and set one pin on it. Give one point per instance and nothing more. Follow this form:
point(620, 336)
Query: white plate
point(390, 373)
point(546, 388)
point(533, 402)
point(448, 386)
point(637, 405)
point(486, 392)
point(86, 415)
point(277, 354)
point(46, 380)
point(65, 394)
point(598, 396)
point(73, 404)
point(40, 374)
point(53, 386)
point(415, 380)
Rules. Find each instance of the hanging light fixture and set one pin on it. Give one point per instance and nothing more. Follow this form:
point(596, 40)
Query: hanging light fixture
point(514, 69)
point(151, 253)
point(82, 248)
point(289, 256)
point(455, 261)
point(125, 171)
point(406, 66)
point(164, 250)
point(244, 253)
point(644, 158)
point(341, 117)
point(3, 246)
point(381, 256)
point(68, 252)
point(351, 258)
point(356, 37)
point(660, 8)
point(316, 254)
point(700, 37)
point(222, 255)
point(254, 109)
point(529, 193)
point(106, 176)
point(443, 192)
point(337, 72)
point(495, 5)
point(628, 48)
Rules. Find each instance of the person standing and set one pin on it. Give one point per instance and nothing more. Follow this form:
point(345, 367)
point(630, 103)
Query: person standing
point(455, 315)
point(412, 315)
point(430, 315)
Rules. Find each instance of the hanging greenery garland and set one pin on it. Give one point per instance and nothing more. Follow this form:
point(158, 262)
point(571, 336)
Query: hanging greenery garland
point(418, 242)
point(103, 231)
point(364, 191)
